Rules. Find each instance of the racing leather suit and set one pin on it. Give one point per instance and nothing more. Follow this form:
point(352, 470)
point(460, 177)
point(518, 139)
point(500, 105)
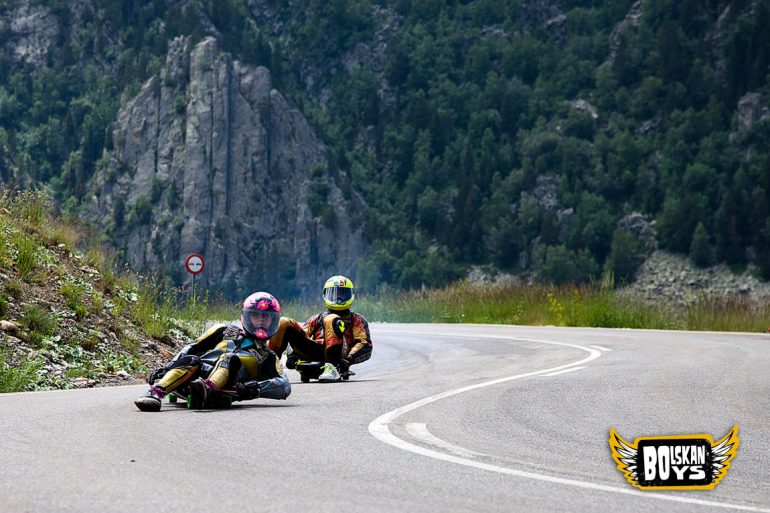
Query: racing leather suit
point(356, 338)
point(239, 361)
point(325, 349)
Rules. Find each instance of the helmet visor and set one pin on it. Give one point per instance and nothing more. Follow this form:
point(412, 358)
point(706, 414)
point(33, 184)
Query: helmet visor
point(339, 295)
point(262, 324)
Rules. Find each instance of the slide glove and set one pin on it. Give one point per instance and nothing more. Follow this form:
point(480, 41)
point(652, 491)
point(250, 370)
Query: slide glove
point(247, 390)
point(156, 375)
point(233, 331)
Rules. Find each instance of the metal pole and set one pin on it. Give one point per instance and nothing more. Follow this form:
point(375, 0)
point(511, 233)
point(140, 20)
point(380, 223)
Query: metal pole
point(193, 288)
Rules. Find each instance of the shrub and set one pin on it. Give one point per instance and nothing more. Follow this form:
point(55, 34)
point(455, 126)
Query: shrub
point(60, 233)
point(559, 265)
point(142, 212)
point(73, 298)
point(14, 288)
point(17, 378)
point(38, 322)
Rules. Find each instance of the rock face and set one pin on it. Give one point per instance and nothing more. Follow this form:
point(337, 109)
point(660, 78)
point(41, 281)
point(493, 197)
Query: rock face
point(672, 278)
point(209, 158)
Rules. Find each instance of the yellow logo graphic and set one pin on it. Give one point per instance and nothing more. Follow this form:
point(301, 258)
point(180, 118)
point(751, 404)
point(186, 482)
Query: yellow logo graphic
point(679, 462)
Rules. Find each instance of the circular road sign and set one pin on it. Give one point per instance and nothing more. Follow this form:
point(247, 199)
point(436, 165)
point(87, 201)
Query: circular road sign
point(194, 264)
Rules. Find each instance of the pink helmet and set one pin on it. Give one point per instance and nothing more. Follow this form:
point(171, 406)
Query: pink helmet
point(261, 315)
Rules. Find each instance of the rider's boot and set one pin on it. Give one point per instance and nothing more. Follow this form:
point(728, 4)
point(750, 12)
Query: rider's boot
point(152, 400)
point(329, 374)
point(200, 390)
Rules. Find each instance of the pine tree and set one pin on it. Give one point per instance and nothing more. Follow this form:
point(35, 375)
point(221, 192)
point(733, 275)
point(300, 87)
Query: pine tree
point(700, 250)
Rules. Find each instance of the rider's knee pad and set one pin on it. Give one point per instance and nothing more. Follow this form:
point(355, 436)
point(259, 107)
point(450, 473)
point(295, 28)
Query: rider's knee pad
point(335, 324)
point(185, 361)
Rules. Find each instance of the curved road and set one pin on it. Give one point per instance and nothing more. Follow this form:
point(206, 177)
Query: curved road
point(444, 418)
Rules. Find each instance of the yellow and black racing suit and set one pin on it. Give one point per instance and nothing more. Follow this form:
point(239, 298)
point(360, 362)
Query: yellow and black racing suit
point(228, 358)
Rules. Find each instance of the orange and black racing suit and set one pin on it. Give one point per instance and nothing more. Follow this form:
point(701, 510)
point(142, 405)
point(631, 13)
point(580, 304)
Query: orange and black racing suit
point(356, 339)
point(325, 349)
point(229, 358)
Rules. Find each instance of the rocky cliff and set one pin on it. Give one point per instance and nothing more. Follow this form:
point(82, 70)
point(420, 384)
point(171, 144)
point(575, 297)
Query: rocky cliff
point(210, 158)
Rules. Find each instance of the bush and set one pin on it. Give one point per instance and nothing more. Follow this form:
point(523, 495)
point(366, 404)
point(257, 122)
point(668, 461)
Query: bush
point(559, 265)
point(142, 212)
point(14, 288)
point(38, 322)
point(73, 297)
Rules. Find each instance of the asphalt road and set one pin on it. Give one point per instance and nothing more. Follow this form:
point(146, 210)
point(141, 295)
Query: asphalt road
point(444, 418)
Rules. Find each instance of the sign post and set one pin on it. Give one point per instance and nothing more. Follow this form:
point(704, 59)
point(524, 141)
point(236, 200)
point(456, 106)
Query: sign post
point(194, 265)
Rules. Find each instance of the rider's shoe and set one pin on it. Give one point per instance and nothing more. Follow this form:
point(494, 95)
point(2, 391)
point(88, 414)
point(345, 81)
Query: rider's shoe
point(152, 400)
point(329, 374)
point(200, 390)
point(292, 360)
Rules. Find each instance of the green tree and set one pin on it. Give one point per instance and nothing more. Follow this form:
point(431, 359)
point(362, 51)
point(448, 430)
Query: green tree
point(626, 255)
point(700, 250)
point(559, 265)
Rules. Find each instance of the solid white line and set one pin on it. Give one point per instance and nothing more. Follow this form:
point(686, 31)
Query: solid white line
point(380, 430)
point(420, 431)
point(600, 348)
point(563, 371)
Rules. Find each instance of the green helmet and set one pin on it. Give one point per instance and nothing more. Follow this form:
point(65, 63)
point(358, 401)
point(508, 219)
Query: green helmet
point(338, 293)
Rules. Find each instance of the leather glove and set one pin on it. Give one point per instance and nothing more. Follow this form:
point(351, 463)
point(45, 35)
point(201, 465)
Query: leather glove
point(247, 390)
point(156, 375)
point(233, 331)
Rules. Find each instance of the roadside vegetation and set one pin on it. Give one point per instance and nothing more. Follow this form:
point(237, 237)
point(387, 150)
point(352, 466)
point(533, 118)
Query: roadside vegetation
point(69, 316)
point(597, 305)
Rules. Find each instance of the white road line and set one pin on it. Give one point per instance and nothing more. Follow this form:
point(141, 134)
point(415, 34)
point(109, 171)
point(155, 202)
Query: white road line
point(380, 430)
point(420, 431)
point(573, 369)
point(600, 348)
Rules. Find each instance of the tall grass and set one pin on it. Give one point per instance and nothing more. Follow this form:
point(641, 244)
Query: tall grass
point(4, 232)
point(32, 207)
point(153, 308)
point(588, 306)
point(728, 314)
point(26, 256)
point(17, 378)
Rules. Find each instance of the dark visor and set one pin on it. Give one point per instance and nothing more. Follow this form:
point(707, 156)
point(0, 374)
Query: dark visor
point(338, 294)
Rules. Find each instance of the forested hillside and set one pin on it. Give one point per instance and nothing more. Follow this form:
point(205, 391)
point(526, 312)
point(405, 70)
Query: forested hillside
point(563, 138)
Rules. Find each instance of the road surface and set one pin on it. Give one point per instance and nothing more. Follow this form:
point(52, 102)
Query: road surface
point(443, 418)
